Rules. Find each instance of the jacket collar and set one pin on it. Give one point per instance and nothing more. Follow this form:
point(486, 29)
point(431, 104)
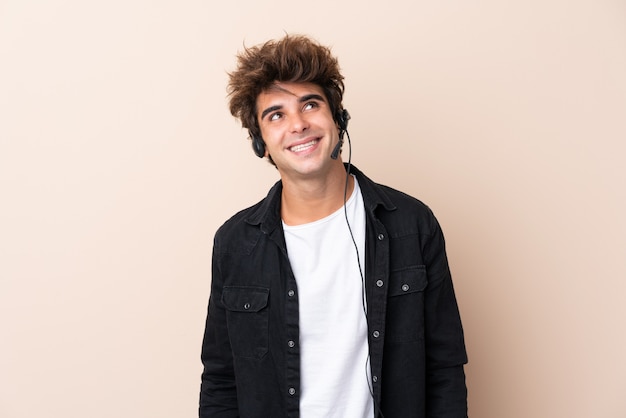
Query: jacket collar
point(267, 213)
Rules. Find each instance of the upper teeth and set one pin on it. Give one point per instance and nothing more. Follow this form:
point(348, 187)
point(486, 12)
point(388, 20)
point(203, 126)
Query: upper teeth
point(304, 146)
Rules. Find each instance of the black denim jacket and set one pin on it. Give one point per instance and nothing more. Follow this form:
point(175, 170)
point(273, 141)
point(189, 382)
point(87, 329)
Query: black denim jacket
point(250, 350)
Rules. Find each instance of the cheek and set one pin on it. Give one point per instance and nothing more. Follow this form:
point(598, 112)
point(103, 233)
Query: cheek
point(270, 136)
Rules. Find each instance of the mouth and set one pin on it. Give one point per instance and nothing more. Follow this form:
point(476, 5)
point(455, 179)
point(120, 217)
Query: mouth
point(304, 146)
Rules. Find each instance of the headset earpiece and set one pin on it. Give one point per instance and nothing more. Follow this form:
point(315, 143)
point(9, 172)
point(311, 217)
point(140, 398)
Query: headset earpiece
point(342, 121)
point(258, 146)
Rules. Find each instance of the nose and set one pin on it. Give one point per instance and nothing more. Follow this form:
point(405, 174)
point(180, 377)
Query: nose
point(298, 122)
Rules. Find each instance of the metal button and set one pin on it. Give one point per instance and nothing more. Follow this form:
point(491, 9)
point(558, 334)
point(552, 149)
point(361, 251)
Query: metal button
point(381, 237)
point(246, 306)
point(379, 283)
point(290, 343)
point(376, 334)
point(405, 287)
point(374, 379)
point(292, 391)
point(291, 293)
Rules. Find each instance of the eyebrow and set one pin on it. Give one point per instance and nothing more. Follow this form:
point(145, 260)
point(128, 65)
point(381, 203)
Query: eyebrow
point(270, 110)
point(305, 98)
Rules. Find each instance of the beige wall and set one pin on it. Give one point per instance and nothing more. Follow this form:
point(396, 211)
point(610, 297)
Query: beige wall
point(118, 161)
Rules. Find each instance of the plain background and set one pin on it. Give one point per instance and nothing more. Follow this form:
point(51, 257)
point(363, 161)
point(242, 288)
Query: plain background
point(119, 160)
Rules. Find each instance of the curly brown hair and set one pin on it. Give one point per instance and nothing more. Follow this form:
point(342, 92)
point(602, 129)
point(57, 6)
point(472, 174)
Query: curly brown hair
point(294, 58)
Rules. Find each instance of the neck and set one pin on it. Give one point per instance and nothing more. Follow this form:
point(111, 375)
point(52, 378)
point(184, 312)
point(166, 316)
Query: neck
point(308, 200)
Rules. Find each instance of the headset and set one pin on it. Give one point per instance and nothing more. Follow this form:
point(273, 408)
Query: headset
point(341, 118)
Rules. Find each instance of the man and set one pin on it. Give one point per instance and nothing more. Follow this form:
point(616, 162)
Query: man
point(331, 297)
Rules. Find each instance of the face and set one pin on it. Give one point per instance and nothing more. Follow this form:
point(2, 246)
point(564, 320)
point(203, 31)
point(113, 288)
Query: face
point(298, 129)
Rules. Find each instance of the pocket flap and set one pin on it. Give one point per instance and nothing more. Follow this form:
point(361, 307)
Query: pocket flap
point(244, 298)
point(407, 281)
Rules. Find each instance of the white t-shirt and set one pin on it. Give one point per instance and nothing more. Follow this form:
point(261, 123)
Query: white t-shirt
point(333, 325)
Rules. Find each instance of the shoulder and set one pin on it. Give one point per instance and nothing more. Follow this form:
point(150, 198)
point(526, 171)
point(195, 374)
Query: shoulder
point(410, 212)
point(378, 195)
point(243, 229)
point(403, 200)
point(397, 209)
point(237, 221)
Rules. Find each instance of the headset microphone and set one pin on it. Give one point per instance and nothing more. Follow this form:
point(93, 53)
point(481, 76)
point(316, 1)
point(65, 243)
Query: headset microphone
point(337, 148)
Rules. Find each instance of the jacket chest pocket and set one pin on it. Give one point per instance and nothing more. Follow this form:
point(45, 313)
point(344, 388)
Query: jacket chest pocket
point(247, 316)
point(405, 305)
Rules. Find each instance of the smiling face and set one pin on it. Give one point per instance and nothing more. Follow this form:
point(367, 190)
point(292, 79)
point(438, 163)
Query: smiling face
point(298, 129)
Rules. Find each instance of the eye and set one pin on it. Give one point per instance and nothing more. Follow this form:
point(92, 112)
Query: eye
point(275, 116)
point(310, 105)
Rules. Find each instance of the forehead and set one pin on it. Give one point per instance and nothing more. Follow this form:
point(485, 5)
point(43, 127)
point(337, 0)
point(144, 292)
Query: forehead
point(282, 90)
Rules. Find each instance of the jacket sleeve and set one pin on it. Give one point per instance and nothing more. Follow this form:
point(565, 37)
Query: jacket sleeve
point(446, 391)
point(218, 393)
